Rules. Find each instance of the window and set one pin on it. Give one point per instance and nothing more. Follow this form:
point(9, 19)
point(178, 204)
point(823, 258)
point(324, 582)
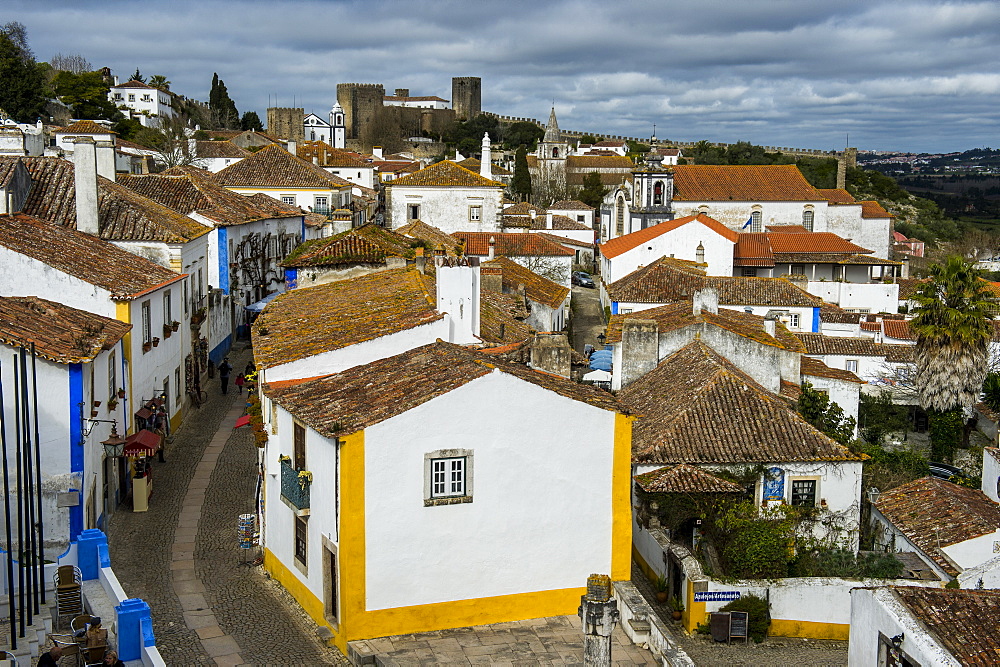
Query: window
point(626, 311)
point(555, 152)
point(321, 205)
point(475, 213)
point(851, 365)
point(581, 218)
point(288, 199)
point(804, 492)
point(187, 296)
point(798, 269)
point(756, 224)
point(112, 376)
point(793, 320)
point(147, 98)
point(147, 323)
point(749, 273)
point(620, 218)
point(131, 98)
point(301, 539)
point(447, 477)
point(167, 315)
point(658, 194)
point(807, 220)
point(312, 135)
point(299, 447)
point(903, 373)
point(177, 385)
point(413, 211)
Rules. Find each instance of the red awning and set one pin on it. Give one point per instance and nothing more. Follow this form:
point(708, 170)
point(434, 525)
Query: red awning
point(242, 421)
point(143, 443)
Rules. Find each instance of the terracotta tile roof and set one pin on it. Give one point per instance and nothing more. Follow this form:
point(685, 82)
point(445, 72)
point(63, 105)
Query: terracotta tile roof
point(60, 333)
point(511, 244)
point(684, 478)
point(816, 368)
point(836, 195)
point(788, 229)
point(329, 156)
point(538, 289)
point(872, 209)
point(8, 167)
point(396, 166)
point(274, 167)
point(313, 320)
point(860, 347)
point(860, 260)
point(123, 274)
point(445, 174)
point(121, 144)
point(134, 84)
point(220, 149)
point(86, 127)
point(696, 407)
point(472, 164)
point(871, 326)
point(753, 249)
point(832, 313)
point(369, 244)
point(898, 329)
point(570, 205)
point(608, 179)
point(622, 244)
point(742, 183)
point(679, 316)
point(583, 163)
point(902, 354)
point(933, 513)
point(790, 390)
point(813, 242)
point(560, 222)
point(524, 208)
point(908, 287)
point(963, 621)
point(664, 282)
point(500, 318)
point(565, 240)
point(367, 395)
point(187, 190)
point(432, 235)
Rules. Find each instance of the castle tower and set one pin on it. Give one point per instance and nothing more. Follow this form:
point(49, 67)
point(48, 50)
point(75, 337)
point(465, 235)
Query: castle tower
point(338, 130)
point(361, 103)
point(466, 96)
point(652, 192)
point(286, 123)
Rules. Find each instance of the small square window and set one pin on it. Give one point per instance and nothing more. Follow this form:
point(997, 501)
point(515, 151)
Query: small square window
point(793, 320)
point(131, 98)
point(448, 477)
point(749, 273)
point(413, 211)
point(804, 492)
point(851, 365)
point(475, 213)
point(288, 199)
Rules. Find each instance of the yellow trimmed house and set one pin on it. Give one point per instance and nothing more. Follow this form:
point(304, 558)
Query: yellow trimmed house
point(443, 487)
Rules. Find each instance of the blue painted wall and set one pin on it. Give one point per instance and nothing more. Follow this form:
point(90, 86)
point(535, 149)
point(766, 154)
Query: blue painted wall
point(76, 443)
point(816, 320)
point(223, 259)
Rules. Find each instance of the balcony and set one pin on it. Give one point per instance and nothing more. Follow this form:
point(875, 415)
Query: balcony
point(293, 492)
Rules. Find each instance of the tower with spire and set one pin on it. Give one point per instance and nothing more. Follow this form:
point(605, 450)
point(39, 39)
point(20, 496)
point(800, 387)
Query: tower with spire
point(338, 130)
point(652, 192)
point(552, 146)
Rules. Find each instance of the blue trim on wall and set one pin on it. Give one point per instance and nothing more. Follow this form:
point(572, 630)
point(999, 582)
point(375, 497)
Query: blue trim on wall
point(223, 259)
point(221, 350)
point(816, 320)
point(291, 279)
point(614, 307)
point(302, 233)
point(76, 443)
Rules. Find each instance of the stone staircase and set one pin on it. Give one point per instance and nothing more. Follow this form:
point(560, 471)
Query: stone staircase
point(35, 640)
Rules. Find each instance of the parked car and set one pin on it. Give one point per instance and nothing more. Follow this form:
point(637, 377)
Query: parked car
point(946, 471)
point(583, 279)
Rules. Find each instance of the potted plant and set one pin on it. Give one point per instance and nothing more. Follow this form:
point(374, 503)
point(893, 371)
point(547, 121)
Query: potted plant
point(156, 341)
point(97, 404)
point(147, 346)
point(174, 325)
point(660, 587)
point(676, 607)
point(167, 330)
point(112, 403)
point(121, 393)
point(93, 414)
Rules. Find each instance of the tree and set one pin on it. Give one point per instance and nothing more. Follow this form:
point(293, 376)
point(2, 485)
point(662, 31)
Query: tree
point(593, 190)
point(817, 409)
point(522, 133)
point(138, 76)
point(73, 62)
point(588, 139)
point(224, 113)
point(251, 121)
point(953, 330)
point(22, 86)
point(172, 143)
point(521, 182)
point(86, 94)
point(159, 82)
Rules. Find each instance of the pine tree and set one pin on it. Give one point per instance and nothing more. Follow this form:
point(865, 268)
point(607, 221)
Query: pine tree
point(22, 86)
point(593, 190)
point(521, 183)
point(224, 113)
point(251, 121)
point(138, 76)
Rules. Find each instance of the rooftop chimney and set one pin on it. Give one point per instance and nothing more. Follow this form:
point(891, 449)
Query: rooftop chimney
point(705, 300)
point(85, 172)
point(420, 260)
point(548, 221)
point(291, 147)
point(486, 164)
point(640, 348)
point(769, 324)
point(550, 352)
point(106, 159)
point(377, 152)
point(492, 250)
point(457, 292)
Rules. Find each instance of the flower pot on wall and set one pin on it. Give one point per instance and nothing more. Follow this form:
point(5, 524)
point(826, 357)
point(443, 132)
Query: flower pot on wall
point(156, 342)
point(146, 347)
point(121, 393)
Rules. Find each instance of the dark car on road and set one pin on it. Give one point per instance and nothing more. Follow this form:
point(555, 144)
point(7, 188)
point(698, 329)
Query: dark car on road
point(583, 279)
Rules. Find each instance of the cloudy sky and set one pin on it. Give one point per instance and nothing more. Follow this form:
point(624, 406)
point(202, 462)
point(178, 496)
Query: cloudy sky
point(910, 75)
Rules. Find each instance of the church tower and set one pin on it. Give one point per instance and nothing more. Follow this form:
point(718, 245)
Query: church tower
point(338, 131)
point(652, 193)
point(552, 146)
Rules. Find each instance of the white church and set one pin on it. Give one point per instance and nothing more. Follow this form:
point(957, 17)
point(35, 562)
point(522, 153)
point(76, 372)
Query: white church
point(331, 131)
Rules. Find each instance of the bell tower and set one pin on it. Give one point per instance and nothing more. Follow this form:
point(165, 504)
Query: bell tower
point(652, 192)
point(338, 131)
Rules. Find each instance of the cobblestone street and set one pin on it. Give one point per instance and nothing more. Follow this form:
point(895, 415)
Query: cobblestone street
point(182, 557)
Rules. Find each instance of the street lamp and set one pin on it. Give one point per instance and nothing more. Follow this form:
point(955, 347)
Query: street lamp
point(873, 494)
point(600, 339)
point(114, 446)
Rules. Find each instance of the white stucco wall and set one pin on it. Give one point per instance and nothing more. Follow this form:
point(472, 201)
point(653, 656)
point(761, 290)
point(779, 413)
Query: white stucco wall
point(978, 550)
point(991, 475)
point(681, 243)
point(446, 208)
point(875, 611)
point(734, 214)
point(542, 472)
point(842, 392)
point(25, 276)
point(874, 297)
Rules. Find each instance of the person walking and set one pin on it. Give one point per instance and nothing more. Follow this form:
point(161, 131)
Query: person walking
point(239, 382)
point(224, 370)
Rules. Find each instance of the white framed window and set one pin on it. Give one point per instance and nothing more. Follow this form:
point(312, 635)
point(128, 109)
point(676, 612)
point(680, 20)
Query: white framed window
point(793, 320)
point(581, 218)
point(798, 269)
point(168, 315)
point(447, 477)
point(807, 219)
point(413, 211)
point(131, 98)
point(626, 311)
point(147, 323)
point(112, 375)
point(851, 365)
point(475, 213)
point(749, 272)
point(288, 199)
point(321, 204)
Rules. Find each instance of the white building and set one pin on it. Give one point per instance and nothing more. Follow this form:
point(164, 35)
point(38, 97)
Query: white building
point(533, 251)
point(142, 101)
point(547, 300)
point(21, 138)
point(475, 448)
point(217, 155)
point(575, 210)
point(64, 137)
point(446, 196)
point(343, 164)
point(695, 238)
point(402, 98)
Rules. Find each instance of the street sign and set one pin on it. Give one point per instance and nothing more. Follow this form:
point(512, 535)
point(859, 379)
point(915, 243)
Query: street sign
point(717, 596)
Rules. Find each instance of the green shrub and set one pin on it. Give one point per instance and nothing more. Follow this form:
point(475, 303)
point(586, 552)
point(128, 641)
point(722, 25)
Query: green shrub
point(758, 615)
point(845, 564)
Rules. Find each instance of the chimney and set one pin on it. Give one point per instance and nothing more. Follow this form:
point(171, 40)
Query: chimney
point(769, 323)
point(492, 251)
point(492, 278)
point(315, 160)
point(640, 348)
point(457, 292)
point(550, 352)
point(291, 147)
point(106, 159)
point(377, 152)
point(548, 221)
point(534, 214)
point(420, 261)
point(325, 160)
point(85, 172)
point(705, 300)
point(486, 163)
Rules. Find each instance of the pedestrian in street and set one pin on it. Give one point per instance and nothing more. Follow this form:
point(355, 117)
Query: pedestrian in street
point(224, 370)
point(239, 381)
point(111, 659)
point(51, 657)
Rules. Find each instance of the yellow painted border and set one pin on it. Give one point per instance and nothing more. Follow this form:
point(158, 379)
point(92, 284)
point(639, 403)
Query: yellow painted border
point(123, 313)
point(621, 500)
point(809, 629)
